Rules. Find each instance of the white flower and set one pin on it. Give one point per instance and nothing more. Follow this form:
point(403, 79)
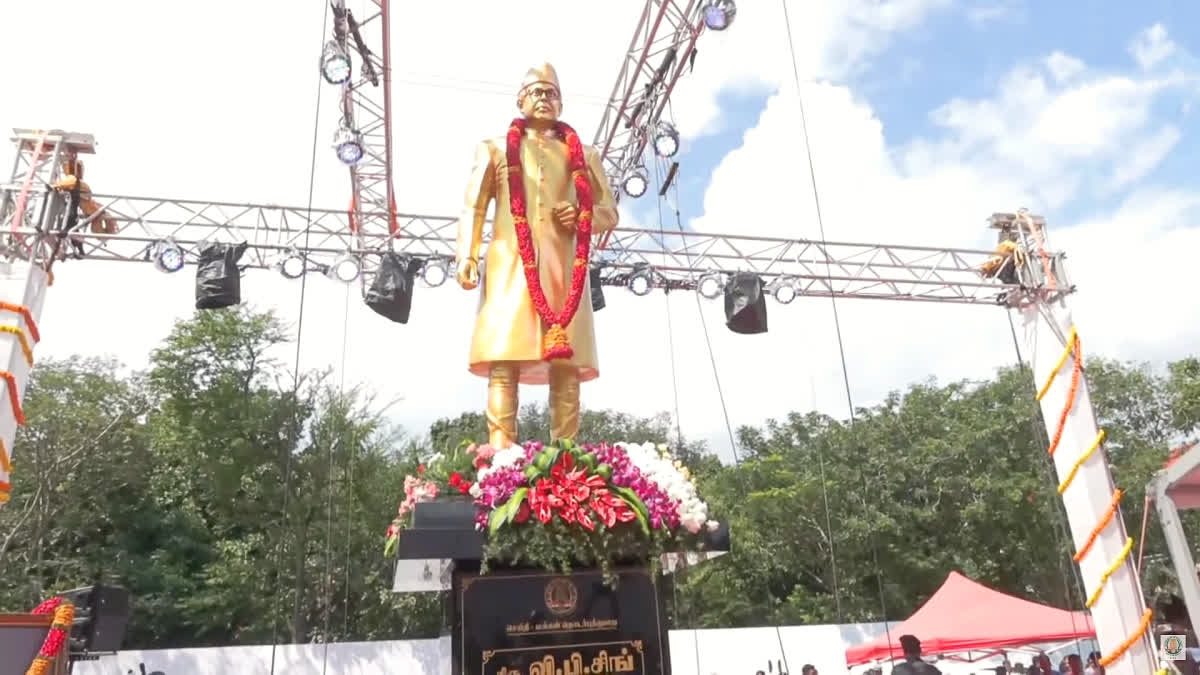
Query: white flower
point(659, 467)
point(475, 491)
point(512, 456)
point(712, 526)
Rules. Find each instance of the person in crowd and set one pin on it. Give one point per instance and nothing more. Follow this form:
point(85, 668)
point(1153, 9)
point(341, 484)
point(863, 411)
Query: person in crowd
point(1074, 665)
point(1093, 666)
point(808, 669)
point(913, 665)
point(1041, 666)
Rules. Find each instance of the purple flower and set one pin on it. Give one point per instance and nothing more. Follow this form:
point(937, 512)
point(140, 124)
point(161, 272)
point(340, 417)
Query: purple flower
point(663, 511)
point(495, 489)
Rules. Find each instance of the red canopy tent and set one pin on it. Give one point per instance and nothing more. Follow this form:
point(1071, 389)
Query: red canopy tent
point(964, 615)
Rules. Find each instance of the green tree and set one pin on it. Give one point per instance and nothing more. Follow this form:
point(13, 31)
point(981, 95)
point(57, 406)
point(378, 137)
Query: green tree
point(1184, 386)
point(79, 505)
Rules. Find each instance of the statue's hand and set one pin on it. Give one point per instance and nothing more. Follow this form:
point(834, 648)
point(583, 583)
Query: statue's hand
point(467, 273)
point(565, 215)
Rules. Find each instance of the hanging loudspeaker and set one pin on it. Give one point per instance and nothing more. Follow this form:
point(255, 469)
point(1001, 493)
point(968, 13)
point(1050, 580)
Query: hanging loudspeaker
point(101, 615)
point(390, 295)
point(745, 304)
point(597, 289)
point(218, 279)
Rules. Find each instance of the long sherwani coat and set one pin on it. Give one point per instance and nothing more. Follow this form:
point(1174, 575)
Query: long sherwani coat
point(508, 327)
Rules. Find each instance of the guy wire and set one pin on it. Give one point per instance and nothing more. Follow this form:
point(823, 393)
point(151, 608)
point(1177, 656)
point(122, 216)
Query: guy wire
point(294, 432)
point(327, 582)
point(667, 304)
point(812, 174)
point(712, 359)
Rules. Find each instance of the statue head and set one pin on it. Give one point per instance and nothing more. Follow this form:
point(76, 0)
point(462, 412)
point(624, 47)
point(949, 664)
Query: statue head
point(540, 98)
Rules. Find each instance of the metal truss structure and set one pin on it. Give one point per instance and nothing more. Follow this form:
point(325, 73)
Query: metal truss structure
point(672, 260)
point(663, 45)
point(366, 108)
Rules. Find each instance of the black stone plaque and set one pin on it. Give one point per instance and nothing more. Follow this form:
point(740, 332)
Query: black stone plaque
point(534, 623)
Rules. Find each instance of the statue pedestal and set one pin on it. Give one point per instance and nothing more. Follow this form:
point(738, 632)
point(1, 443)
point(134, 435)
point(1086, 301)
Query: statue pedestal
point(519, 622)
point(514, 621)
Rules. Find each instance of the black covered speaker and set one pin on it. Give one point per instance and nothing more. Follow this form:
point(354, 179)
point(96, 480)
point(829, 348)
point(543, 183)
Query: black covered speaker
point(390, 295)
point(218, 279)
point(745, 304)
point(597, 289)
point(101, 615)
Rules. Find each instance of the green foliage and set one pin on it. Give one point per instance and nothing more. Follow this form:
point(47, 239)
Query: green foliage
point(173, 483)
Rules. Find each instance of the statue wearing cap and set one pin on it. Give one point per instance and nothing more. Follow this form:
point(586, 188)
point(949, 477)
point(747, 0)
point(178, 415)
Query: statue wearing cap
point(535, 322)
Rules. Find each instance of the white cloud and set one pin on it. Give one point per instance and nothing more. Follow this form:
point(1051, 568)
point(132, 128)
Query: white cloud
point(1035, 143)
point(831, 39)
point(1144, 156)
point(1151, 46)
point(1064, 66)
point(178, 115)
point(994, 12)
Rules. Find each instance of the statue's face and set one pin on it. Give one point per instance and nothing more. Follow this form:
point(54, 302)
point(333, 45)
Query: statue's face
point(540, 101)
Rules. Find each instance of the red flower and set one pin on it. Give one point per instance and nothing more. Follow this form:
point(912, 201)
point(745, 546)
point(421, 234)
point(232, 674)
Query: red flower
point(420, 469)
point(456, 479)
point(555, 345)
point(575, 496)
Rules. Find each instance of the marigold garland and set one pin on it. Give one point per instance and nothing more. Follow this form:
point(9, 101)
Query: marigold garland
point(1108, 516)
point(1066, 482)
point(25, 314)
point(555, 344)
point(26, 349)
point(1129, 641)
point(1076, 377)
point(1112, 569)
point(14, 399)
point(1073, 349)
point(56, 639)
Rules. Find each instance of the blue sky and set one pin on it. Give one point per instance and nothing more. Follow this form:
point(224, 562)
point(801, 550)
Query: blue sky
point(965, 52)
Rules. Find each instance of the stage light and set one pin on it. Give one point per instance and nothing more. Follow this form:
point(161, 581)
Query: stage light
point(292, 265)
point(348, 144)
point(710, 285)
point(784, 289)
point(666, 140)
point(335, 63)
point(168, 256)
point(718, 14)
point(435, 272)
point(641, 280)
point(635, 183)
point(344, 269)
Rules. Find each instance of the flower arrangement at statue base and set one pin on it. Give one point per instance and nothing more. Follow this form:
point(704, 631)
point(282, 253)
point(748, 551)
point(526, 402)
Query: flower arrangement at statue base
point(564, 505)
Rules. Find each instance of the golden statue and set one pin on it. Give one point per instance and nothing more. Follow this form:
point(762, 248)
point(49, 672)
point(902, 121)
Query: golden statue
point(528, 330)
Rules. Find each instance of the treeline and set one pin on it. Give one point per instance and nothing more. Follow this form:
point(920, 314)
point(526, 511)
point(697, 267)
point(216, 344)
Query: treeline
point(240, 506)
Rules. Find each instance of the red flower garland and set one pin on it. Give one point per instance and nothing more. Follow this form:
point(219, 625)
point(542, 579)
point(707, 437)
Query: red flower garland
point(56, 639)
point(555, 344)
